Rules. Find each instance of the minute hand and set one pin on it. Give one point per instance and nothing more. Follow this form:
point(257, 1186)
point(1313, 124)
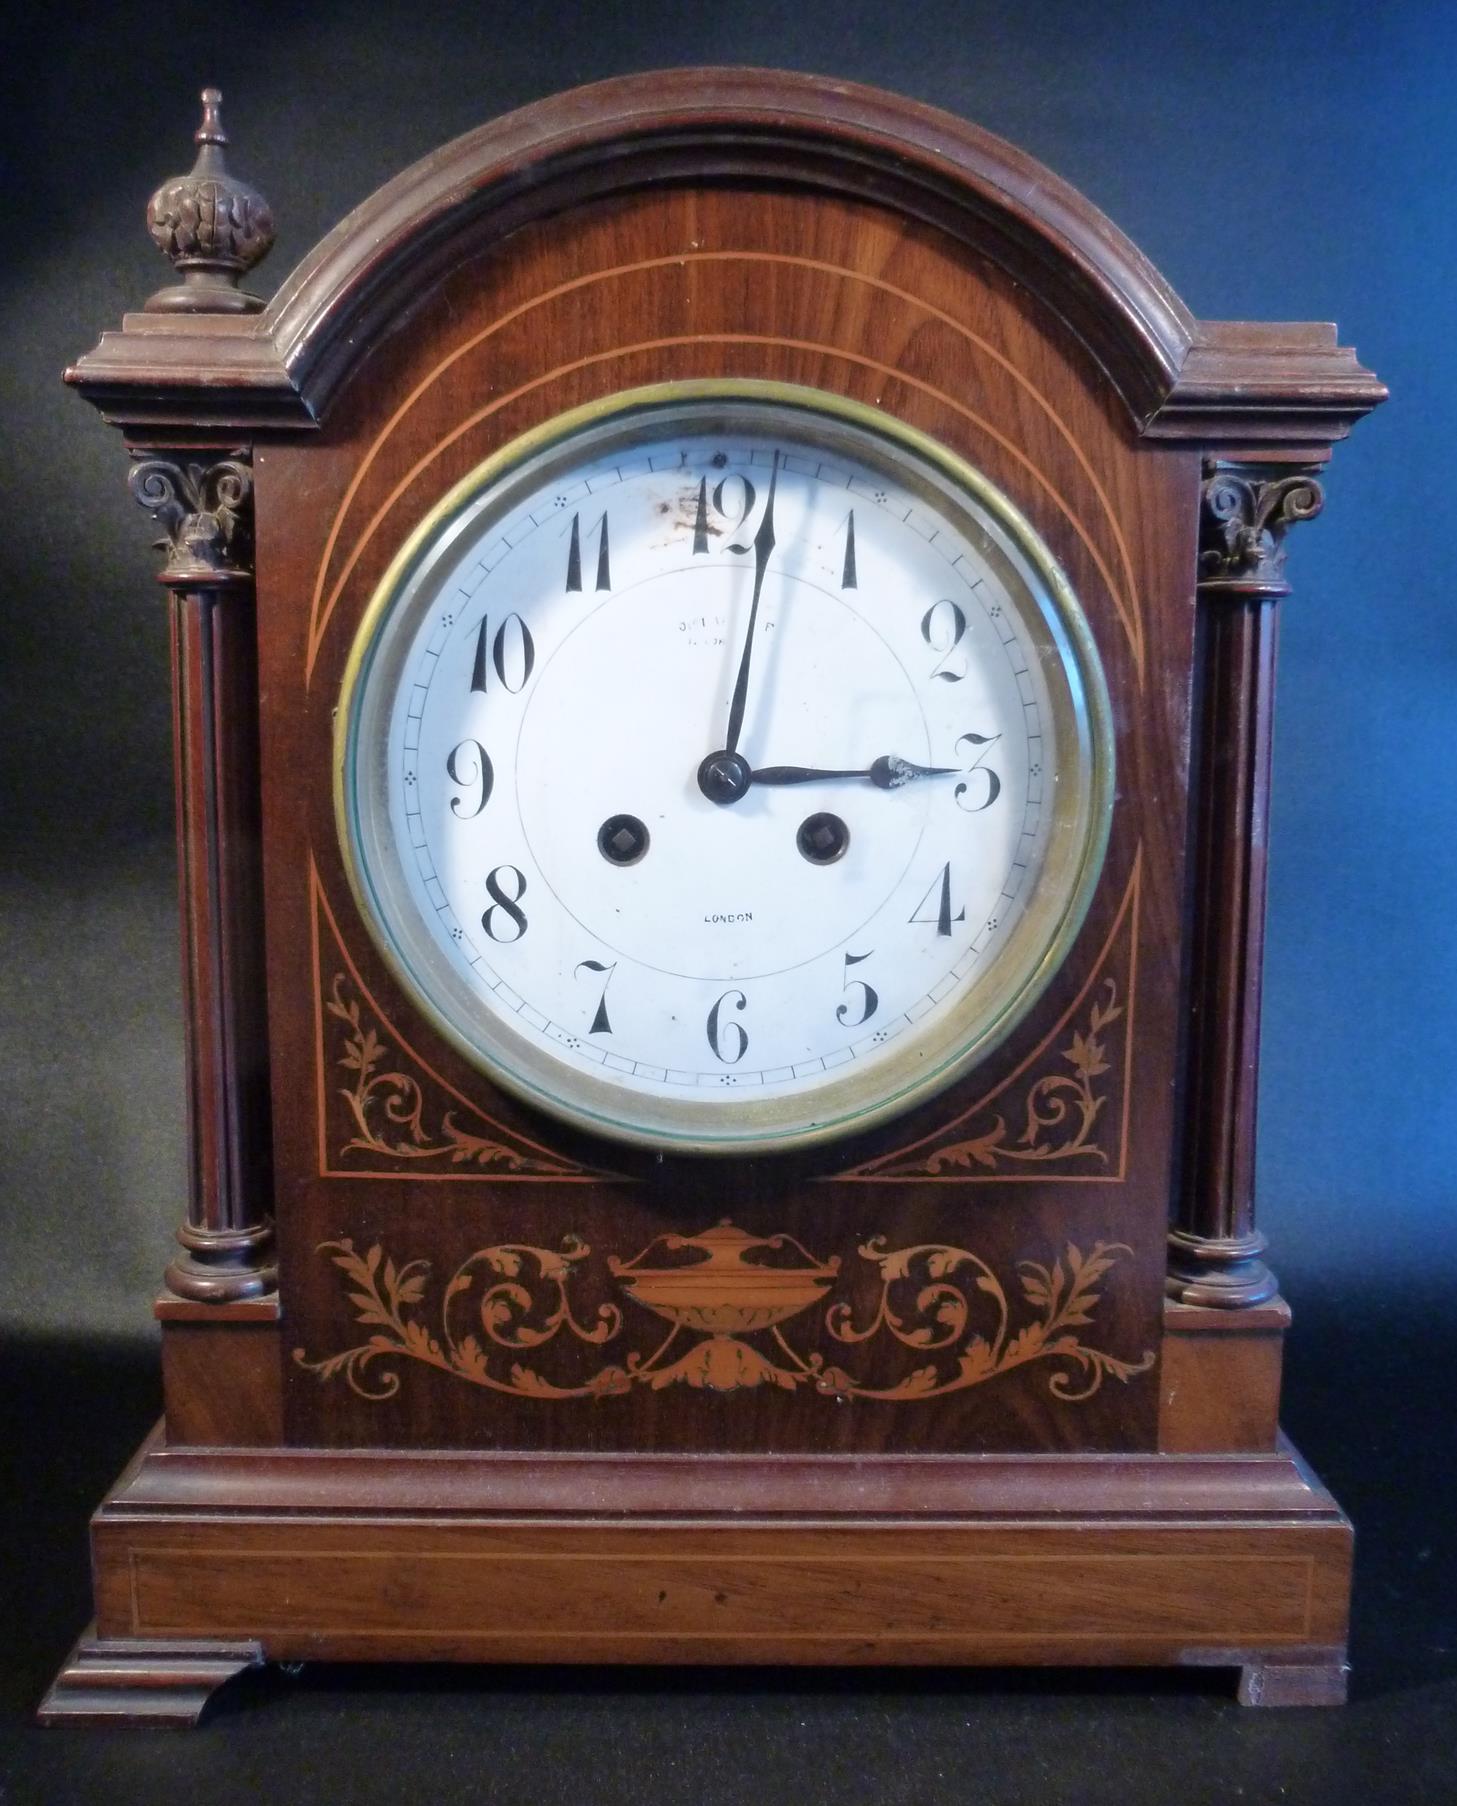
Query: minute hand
point(763, 546)
point(889, 772)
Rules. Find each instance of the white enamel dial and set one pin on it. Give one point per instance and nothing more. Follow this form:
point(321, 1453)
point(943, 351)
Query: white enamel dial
point(724, 771)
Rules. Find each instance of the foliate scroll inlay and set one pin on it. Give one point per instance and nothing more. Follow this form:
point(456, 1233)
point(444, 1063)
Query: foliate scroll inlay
point(935, 1319)
point(1246, 514)
point(205, 511)
point(387, 1106)
point(1059, 1115)
point(383, 1110)
point(1063, 1113)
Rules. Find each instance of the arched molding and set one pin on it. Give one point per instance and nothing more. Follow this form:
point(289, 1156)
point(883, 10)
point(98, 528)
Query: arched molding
point(1209, 383)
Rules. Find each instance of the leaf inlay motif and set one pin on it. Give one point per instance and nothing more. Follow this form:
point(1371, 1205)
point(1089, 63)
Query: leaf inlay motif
point(933, 1299)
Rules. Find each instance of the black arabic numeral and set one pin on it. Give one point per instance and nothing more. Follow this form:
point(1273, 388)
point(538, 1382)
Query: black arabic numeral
point(732, 499)
point(718, 1031)
point(721, 504)
point(977, 770)
point(469, 765)
point(600, 1023)
point(943, 627)
point(941, 890)
point(574, 555)
point(510, 906)
point(700, 518)
point(512, 655)
point(870, 1002)
point(848, 578)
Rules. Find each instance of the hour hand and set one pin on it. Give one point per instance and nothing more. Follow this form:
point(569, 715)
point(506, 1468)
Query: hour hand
point(888, 772)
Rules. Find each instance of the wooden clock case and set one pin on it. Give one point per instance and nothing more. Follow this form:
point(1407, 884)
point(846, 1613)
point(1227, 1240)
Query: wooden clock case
point(995, 1383)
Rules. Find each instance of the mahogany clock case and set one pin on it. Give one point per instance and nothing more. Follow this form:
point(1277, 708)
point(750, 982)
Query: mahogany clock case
point(839, 292)
point(596, 300)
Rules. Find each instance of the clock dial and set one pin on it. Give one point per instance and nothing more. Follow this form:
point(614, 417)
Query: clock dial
point(724, 770)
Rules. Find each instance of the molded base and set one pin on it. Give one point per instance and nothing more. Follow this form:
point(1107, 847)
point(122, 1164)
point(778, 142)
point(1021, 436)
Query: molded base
point(209, 1559)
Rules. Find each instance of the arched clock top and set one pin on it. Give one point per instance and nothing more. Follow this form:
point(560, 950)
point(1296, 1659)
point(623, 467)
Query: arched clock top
point(1210, 383)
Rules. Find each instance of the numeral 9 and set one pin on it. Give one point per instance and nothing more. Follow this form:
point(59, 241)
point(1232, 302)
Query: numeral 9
point(469, 765)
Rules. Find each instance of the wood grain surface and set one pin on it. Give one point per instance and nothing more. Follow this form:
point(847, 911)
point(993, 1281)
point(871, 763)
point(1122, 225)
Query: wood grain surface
point(693, 282)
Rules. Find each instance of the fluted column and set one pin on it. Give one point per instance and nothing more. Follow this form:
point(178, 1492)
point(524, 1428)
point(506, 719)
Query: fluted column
point(204, 504)
point(1215, 1251)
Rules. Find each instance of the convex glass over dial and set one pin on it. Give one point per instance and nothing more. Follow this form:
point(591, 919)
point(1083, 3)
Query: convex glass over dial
point(724, 768)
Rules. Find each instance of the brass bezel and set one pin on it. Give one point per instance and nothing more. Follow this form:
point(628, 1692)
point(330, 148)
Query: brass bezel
point(1048, 926)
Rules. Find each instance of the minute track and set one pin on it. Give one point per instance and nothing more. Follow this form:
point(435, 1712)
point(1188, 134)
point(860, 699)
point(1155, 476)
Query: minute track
point(727, 902)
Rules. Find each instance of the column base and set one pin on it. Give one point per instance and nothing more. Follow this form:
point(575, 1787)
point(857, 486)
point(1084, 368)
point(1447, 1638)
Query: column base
point(223, 1266)
point(1219, 1272)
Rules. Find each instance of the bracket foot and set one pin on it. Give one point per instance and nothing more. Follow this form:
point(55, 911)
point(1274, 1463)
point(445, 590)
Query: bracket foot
point(143, 1680)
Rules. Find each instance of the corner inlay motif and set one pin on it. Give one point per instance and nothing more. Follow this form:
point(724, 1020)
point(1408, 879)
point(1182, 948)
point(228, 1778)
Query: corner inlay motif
point(388, 1106)
point(1060, 1112)
point(383, 1110)
point(1063, 1113)
point(725, 1304)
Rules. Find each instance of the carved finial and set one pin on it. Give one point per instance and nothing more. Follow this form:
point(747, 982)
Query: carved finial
point(211, 130)
point(1247, 512)
point(212, 226)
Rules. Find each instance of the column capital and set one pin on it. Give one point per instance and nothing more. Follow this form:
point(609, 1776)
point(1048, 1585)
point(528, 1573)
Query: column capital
point(1246, 509)
point(203, 503)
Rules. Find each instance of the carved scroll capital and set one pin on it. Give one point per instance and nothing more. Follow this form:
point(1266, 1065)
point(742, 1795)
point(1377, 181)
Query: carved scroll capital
point(213, 226)
point(205, 511)
point(1246, 511)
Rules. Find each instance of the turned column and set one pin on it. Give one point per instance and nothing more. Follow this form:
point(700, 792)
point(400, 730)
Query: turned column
point(214, 228)
point(204, 506)
point(1215, 1251)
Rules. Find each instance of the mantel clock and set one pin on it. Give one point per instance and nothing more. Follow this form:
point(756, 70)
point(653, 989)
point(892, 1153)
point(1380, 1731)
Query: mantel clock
point(723, 647)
